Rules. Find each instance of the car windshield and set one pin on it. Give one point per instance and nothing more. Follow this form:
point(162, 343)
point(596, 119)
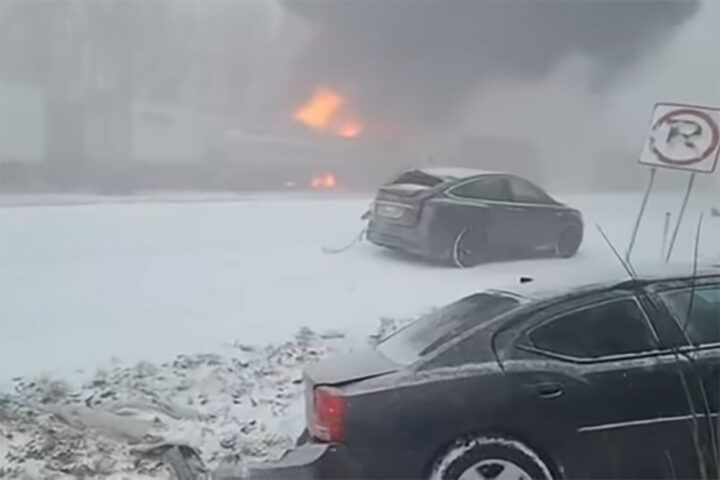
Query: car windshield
point(433, 330)
point(417, 177)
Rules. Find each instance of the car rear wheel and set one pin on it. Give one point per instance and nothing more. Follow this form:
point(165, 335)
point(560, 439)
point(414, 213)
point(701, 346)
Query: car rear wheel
point(490, 458)
point(569, 241)
point(468, 248)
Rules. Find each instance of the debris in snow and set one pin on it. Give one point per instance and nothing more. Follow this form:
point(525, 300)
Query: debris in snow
point(331, 334)
point(242, 405)
point(40, 445)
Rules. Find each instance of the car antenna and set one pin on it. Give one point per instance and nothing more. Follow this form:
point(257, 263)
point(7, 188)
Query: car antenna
point(694, 273)
point(525, 279)
point(713, 438)
point(625, 263)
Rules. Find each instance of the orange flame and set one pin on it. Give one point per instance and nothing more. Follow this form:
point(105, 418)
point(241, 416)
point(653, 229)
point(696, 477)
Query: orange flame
point(321, 107)
point(324, 112)
point(325, 181)
point(349, 129)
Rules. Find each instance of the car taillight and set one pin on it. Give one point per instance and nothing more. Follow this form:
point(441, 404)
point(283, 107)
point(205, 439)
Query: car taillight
point(328, 411)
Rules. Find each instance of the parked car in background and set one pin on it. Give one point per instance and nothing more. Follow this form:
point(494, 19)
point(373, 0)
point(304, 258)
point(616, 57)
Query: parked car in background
point(612, 380)
point(467, 216)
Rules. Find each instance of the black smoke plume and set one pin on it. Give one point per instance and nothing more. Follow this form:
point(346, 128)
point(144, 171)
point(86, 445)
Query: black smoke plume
point(414, 62)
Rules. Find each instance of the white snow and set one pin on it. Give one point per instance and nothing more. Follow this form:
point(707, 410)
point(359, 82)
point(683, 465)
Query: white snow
point(107, 285)
point(84, 284)
point(456, 172)
point(406, 187)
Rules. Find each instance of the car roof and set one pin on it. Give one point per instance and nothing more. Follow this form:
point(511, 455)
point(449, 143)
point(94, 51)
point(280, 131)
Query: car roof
point(539, 286)
point(457, 173)
point(529, 294)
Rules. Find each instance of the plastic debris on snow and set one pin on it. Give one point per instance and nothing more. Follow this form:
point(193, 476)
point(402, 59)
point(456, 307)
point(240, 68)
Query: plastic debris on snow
point(242, 405)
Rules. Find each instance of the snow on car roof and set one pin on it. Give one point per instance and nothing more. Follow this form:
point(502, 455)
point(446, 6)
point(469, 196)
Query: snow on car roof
point(409, 187)
point(537, 286)
point(456, 172)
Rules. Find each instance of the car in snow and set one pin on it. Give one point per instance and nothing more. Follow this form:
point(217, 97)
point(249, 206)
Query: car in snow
point(617, 379)
point(465, 216)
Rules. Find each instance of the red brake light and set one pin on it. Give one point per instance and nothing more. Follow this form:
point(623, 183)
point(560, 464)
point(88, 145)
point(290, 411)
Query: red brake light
point(328, 410)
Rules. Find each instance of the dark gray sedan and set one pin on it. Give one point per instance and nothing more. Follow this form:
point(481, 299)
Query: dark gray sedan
point(466, 216)
point(605, 380)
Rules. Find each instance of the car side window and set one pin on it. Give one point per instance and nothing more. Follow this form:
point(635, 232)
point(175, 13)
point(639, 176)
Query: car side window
point(494, 189)
point(618, 327)
point(523, 191)
point(702, 326)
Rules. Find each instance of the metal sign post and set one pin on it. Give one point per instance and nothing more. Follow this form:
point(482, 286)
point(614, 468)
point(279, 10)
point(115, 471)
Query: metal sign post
point(680, 217)
point(640, 214)
point(666, 226)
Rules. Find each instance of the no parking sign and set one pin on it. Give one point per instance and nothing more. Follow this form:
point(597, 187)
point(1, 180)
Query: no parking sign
point(684, 137)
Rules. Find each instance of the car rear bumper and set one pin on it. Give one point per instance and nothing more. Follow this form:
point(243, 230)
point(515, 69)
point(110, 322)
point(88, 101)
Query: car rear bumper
point(309, 461)
point(409, 239)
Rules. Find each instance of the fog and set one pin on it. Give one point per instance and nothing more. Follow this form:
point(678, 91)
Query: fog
point(123, 96)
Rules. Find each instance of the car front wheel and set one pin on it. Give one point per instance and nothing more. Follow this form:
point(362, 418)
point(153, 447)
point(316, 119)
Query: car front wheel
point(490, 458)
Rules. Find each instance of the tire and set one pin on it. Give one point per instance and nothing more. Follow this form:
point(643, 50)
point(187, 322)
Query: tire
point(568, 241)
point(490, 458)
point(303, 438)
point(185, 463)
point(468, 248)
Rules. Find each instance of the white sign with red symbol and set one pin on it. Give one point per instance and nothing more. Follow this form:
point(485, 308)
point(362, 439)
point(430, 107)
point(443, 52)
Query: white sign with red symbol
point(685, 137)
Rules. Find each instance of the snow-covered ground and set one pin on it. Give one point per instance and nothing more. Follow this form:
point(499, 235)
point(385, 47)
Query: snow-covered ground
point(88, 291)
point(236, 405)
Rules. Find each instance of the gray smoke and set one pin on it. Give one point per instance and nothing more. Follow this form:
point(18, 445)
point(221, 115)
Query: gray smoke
point(414, 63)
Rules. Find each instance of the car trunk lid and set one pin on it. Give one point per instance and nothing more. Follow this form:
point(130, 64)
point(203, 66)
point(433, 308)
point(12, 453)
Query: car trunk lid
point(402, 200)
point(352, 367)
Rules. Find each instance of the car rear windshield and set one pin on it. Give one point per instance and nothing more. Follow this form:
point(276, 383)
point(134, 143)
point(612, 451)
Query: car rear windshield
point(430, 332)
point(417, 177)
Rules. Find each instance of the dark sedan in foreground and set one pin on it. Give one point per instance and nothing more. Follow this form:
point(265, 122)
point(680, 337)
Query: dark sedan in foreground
point(615, 380)
point(465, 216)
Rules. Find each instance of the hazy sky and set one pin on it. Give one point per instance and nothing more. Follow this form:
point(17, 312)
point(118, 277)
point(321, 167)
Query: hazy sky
point(573, 77)
point(686, 71)
point(565, 117)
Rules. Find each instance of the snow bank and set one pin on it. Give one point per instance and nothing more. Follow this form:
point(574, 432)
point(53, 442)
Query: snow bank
point(236, 405)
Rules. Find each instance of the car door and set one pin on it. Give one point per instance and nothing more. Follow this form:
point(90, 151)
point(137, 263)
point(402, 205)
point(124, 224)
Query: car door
point(699, 321)
point(537, 215)
point(607, 395)
point(483, 203)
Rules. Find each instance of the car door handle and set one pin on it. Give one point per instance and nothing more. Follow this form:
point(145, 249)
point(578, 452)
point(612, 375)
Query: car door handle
point(548, 390)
